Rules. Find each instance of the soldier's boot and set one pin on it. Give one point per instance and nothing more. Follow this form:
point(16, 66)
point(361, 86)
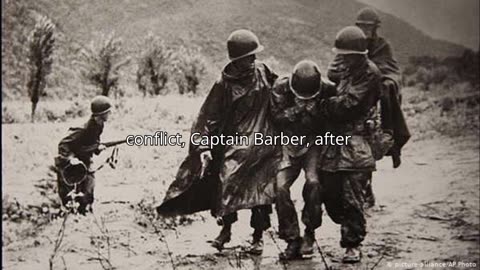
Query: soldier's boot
point(224, 237)
point(369, 202)
point(352, 255)
point(256, 245)
point(307, 243)
point(292, 252)
point(369, 197)
point(396, 160)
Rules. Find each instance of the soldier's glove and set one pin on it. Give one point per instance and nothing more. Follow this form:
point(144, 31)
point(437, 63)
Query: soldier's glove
point(101, 147)
point(205, 158)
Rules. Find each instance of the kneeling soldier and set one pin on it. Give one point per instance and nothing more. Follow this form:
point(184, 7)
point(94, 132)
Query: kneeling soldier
point(76, 151)
point(294, 103)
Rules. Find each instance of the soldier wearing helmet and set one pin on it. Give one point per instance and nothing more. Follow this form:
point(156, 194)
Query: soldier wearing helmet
point(71, 154)
point(346, 169)
point(379, 50)
point(381, 53)
point(237, 176)
point(294, 105)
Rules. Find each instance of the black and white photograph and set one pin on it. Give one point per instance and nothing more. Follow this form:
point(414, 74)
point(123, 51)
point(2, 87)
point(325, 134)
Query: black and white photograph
point(248, 134)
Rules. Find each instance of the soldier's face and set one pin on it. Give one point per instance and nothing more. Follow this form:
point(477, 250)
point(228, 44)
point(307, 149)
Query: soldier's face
point(351, 60)
point(103, 118)
point(245, 63)
point(368, 29)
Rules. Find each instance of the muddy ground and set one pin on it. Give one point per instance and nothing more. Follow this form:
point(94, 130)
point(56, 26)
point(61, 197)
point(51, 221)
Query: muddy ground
point(427, 210)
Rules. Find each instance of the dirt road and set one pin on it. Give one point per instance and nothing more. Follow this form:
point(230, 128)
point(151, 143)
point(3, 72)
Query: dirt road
point(427, 210)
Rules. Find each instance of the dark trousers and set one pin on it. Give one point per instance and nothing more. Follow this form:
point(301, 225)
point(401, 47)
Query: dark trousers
point(259, 220)
point(343, 194)
point(312, 211)
point(86, 187)
point(369, 196)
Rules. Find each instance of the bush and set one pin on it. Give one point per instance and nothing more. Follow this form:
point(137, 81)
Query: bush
point(189, 67)
point(153, 66)
point(428, 71)
point(101, 62)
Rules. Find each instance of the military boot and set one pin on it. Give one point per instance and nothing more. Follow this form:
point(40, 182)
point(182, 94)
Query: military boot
point(224, 237)
point(307, 243)
point(352, 255)
point(256, 245)
point(292, 252)
point(369, 197)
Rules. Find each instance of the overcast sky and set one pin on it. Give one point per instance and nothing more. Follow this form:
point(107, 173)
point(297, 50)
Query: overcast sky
point(452, 20)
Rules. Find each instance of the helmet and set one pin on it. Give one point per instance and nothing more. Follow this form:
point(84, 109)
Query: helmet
point(350, 40)
point(242, 43)
point(368, 16)
point(305, 80)
point(100, 105)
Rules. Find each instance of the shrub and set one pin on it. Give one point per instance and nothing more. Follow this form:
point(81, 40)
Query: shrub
point(153, 66)
point(101, 62)
point(189, 67)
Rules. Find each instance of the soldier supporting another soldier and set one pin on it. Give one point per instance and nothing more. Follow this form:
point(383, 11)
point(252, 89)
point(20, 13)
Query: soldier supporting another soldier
point(76, 150)
point(238, 176)
point(346, 169)
point(381, 53)
point(294, 102)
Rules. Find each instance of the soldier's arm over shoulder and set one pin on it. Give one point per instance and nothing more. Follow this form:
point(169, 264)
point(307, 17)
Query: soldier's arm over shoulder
point(328, 89)
point(271, 76)
point(354, 102)
point(335, 69)
point(283, 109)
point(279, 99)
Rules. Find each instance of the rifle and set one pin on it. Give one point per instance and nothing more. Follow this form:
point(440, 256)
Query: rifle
point(94, 147)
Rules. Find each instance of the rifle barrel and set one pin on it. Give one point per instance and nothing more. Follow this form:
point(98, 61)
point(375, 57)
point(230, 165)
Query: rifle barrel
point(113, 143)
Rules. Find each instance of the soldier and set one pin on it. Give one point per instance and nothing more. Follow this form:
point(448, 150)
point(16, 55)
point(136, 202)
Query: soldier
point(237, 104)
point(294, 104)
point(346, 169)
point(77, 149)
point(381, 53)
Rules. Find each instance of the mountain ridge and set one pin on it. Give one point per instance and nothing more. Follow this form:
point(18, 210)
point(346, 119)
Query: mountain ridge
point(289, 30)
point(298, 25)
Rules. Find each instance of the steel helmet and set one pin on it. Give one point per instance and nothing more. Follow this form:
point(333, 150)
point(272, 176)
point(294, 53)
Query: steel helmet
point(305, 80)
point(368, 16)
point(242, 43)
point(100, 105)
point(350, 40)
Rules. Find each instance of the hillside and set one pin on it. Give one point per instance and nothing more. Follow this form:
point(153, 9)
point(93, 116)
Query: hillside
point(290, 30)
point(440, 19)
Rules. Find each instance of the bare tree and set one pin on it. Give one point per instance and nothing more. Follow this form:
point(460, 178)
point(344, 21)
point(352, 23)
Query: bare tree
point(41, 45)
